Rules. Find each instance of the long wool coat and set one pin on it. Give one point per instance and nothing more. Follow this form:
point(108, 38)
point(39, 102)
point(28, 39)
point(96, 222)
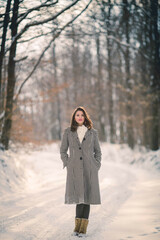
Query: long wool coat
point(83, 164)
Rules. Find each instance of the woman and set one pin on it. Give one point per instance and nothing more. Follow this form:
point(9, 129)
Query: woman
point(83, 163)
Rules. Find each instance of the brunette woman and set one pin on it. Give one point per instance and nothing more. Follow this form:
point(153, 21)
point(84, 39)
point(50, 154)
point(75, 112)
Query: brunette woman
point(82, 164)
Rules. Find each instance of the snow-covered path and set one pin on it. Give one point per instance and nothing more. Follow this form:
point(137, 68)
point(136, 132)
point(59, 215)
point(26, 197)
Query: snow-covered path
point(130, 202)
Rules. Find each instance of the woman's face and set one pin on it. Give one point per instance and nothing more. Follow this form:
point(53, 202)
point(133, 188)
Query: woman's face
point(79, 117)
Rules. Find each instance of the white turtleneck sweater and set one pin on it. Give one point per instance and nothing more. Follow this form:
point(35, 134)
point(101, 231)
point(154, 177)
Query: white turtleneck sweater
point(81, 130)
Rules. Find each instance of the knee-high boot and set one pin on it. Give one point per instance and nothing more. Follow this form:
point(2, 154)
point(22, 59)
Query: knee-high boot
point(77, 226)
point(83, 227)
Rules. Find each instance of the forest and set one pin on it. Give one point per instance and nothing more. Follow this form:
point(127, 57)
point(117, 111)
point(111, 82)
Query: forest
point(57, 55)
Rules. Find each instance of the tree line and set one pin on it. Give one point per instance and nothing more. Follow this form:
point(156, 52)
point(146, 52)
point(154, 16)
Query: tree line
point(105, 57)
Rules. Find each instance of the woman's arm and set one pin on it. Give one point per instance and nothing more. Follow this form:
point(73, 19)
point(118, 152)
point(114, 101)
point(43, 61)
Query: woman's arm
point(97, 149)
point(64, 148)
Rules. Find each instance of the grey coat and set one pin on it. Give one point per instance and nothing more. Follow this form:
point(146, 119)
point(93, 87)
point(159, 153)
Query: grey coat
point(83, 163)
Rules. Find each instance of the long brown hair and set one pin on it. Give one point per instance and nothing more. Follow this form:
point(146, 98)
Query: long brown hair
point(87, 121)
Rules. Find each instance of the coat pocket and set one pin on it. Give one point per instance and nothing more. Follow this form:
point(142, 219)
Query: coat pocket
point(68, 160)
point(96, 164)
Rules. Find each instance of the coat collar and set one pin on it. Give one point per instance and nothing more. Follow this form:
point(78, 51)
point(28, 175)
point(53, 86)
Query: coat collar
point(75, 135)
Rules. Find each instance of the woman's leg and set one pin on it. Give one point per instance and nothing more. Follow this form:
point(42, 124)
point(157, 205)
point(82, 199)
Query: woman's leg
point(79, 210)
point(84, 220)
point(86, 211)
point(81, 220)
point(82, 210)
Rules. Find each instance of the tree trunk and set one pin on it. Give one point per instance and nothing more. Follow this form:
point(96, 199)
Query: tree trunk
point(99, 88)
point(2, 57)
point(130, 133)
point(11, 79)
point(110, 80)
point(58, 102)
point(2, 51)
point(155, 74)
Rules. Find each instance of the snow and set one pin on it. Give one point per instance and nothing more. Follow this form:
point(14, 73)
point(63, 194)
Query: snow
point(33, 186)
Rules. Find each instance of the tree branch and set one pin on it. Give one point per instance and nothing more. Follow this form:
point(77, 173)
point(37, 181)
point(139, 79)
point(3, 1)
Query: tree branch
point(36, 23)
point(24, 15)
point(46, 48)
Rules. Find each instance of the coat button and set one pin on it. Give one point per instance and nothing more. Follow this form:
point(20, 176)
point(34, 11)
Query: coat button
point(84, 139)
point(80, 158)
point(79, 147)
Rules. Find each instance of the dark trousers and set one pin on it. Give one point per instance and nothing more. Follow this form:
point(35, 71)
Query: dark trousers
point(82, 210)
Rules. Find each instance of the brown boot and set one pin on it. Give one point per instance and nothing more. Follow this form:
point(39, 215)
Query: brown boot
point(83, 227)
point(77, 226)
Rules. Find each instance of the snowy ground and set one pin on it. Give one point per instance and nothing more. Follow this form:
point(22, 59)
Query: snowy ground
point(33, 186)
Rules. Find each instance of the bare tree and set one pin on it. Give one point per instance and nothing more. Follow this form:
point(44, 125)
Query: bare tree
point(155, 74)
point(15, 36)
